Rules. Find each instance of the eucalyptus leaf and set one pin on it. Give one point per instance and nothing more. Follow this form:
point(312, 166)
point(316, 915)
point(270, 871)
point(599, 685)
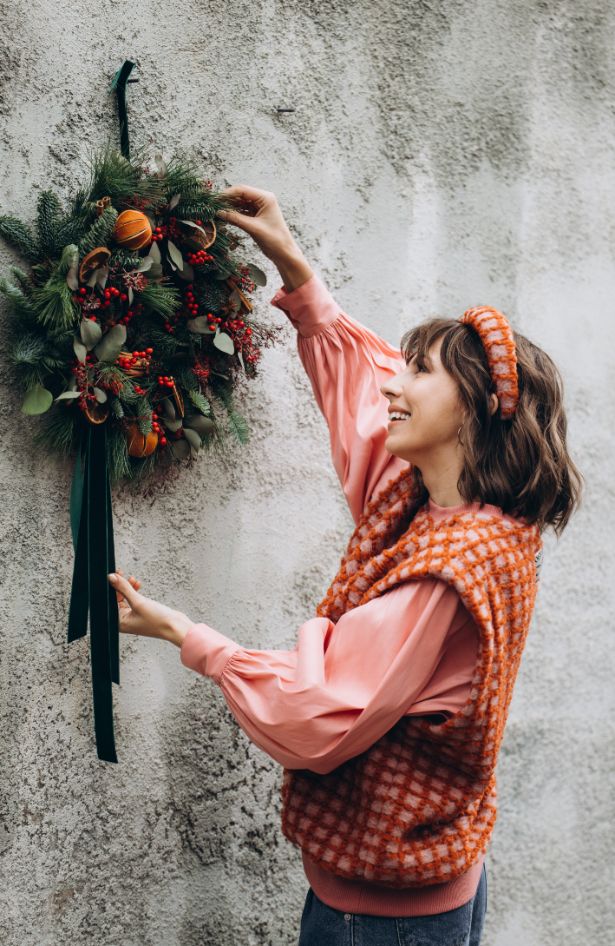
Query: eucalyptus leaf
point(172, 425)
point(154, 252)
point(68, 395)
point(187, 272)
point(101, 396)
point(175, 254)
point(200, 325)
point(156, 271)
point(160, 164)
point(240, 356)
point(131, 295)
point(224, 342)
point(193, 438)
point(181, 449)
point(80, 350)
point(111, 343)
point(102, 275)
point(202, 425)
point(37, 400)
point(168, 408)
point(91, 333)
point(145, 264)
point(175, 199)
point(257, 275)
point(72, 278)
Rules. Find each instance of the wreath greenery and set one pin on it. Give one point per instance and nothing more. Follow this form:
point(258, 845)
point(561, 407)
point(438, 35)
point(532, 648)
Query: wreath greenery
point(134, 314)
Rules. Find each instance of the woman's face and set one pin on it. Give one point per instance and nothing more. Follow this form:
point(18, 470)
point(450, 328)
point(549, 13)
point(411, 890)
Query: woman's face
point(430, 396)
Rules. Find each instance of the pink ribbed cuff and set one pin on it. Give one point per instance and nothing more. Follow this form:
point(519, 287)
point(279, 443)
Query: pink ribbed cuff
point(207, 651)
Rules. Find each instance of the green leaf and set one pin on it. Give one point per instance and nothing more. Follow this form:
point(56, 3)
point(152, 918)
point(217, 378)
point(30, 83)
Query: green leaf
point(145, 264)
point(224, 342)
point(68, 395)
point(101, 396)
point(91, 333)
point(72, 280)
point(187, 272)
point(80, 350)
point(257, 275)
point(175, 254)
point(37, 400)
point(193, 438)
point(172, 425)
point(202, 425)
point(168, 408)
point(154, 252)
point(111, 343)
point(200, 325)
point(181, 449)
point(175, 199)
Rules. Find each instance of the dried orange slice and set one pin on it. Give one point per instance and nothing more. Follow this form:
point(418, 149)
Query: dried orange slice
point(92, 260)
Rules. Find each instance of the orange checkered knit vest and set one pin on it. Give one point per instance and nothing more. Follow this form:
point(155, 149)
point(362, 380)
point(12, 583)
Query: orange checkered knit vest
point(418, 807)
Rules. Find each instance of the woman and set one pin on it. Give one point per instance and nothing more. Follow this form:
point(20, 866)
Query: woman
point(389, 713)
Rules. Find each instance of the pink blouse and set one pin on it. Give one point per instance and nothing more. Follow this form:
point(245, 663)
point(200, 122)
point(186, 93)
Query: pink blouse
point(409, 651)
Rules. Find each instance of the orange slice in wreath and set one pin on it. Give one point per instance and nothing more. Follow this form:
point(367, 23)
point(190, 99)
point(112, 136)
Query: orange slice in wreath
point(96, 413)
point(92, 260)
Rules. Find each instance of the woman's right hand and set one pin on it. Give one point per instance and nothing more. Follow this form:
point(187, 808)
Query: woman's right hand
point(259, 214)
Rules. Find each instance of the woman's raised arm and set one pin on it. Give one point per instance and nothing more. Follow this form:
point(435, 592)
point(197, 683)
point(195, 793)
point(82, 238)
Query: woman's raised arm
point(345, 361)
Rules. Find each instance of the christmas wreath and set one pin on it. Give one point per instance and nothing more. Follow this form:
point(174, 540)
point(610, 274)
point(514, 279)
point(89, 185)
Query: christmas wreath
point(134, 314)
point(129, 334)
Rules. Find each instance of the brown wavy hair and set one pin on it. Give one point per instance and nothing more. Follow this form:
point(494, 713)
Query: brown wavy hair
point(520, 464)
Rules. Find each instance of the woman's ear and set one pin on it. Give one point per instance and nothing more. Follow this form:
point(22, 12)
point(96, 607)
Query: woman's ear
point(493, 403)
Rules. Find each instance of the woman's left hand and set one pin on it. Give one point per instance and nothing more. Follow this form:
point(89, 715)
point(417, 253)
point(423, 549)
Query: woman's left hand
point(146, 617)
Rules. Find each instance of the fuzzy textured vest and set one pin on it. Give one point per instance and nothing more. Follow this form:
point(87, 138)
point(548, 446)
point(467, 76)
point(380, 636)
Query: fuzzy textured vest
point(418, 807)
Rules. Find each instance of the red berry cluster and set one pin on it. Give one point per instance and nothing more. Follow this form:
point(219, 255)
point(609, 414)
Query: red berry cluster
point(201, 369)
point(168, 230)
point(198, 258)
point(140, 358)
point(158, 429)
point(165, 381)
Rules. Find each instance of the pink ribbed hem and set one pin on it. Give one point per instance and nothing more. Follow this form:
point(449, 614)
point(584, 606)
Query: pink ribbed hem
point(357, 896)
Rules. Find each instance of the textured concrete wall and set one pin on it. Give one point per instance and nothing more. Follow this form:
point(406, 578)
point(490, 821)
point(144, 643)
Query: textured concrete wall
point(441, 154)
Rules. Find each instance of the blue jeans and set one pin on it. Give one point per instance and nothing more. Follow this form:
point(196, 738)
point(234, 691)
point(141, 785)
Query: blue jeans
point(323, 926)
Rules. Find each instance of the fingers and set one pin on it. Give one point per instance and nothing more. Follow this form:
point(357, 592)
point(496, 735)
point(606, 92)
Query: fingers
point(124, 587)
point(245, 192)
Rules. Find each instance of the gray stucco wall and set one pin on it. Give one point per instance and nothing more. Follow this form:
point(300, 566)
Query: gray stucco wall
point(441, 154)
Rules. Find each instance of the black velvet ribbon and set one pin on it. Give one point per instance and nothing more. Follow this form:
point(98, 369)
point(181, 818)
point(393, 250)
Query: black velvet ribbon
point(118, 85)
point(92, 528)
point(91, 519)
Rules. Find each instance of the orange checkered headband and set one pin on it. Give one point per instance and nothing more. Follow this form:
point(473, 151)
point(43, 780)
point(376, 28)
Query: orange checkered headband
point(496, 334)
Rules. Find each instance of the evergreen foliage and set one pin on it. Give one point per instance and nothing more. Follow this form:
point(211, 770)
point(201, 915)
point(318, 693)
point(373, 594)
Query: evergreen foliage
point(19, 236)
point(52, 347)
point(99, 233)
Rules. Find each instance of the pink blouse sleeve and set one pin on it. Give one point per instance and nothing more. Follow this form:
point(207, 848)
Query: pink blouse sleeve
point(410, 650)
point(346, 364)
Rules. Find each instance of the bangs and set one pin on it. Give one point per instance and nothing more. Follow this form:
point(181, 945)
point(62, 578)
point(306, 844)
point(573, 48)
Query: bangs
point(418, 340)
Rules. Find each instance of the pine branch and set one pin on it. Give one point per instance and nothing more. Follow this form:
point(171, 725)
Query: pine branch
point(54, 301)
point(21, 306)
point(161, 299)
point(49, 211)
point(118, 459)
point(200, 402)
point(59, 429)
point(19, 236)
point(99, 234)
